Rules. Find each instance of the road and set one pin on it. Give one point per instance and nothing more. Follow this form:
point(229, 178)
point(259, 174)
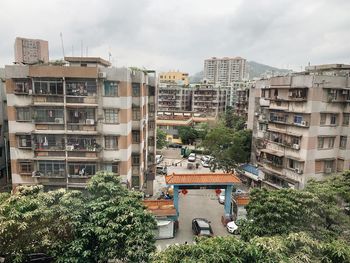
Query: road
point(197, 203)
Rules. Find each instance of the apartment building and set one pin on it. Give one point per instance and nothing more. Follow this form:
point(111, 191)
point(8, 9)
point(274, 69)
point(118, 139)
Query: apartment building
point(68, 122)
point(174, 77)
point(30, 51)
point(209, 100)
point(174, 97)
point(225, 70)
point(300, 125)
point(241, 104)
point(5, 172)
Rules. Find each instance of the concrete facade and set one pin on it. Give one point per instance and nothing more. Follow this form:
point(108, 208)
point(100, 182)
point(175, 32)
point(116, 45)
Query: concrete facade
point(225, 70)
point(300, 125)
point(68, 122)
point(174, 77)
point(31, 51)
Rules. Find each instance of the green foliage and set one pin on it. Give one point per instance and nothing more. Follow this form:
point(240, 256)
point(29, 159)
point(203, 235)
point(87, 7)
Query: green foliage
point(161, 139)
point(105, 222)
point(233, 121)
point(292, 248)
point(317, 210)
point(229, 148)
point(188, 134)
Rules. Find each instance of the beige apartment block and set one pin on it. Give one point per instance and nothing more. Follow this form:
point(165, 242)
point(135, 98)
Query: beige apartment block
point(174, 77)
point(300, 125)
point(31, 51)
point(225, 70)
point(68, 122)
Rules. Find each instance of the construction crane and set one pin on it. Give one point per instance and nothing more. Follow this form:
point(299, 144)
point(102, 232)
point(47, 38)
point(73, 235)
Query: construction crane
point(61, 35)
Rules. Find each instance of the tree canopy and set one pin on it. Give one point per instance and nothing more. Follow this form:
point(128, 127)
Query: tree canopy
point(293, 248)
point(161, 138)
point(106, 221)
point(229, 147)
point(188, 134)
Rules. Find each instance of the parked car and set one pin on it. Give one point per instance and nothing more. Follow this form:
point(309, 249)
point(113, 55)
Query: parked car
point(174, 145)
point(206, 158)
point(35, 257)
point(205, 164)
point(221, 197)
point(202, 227)
point(159, 158)
point(232, 227)
point(192, 157)
point(162, 170)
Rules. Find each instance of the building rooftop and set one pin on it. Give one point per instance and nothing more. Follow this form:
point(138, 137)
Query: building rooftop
point(96, 60)
point(222, 178)
point(160, 207)
point(325, 67)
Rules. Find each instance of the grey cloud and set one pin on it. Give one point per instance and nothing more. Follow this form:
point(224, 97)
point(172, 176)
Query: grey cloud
point(180, 34)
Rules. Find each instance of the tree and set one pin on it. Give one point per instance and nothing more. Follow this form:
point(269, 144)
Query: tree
point(161, 138)
point(233, 121)
point(188, 134)
point(228, 147)
point(292, 248)
point(107, 221)
point(317, 210)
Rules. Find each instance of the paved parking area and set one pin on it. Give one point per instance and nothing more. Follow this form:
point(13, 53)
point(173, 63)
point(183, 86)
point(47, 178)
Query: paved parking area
point(197, 203)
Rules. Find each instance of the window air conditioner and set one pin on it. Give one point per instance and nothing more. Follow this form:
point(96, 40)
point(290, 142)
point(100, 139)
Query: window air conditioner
point(345, 92)
point(296, 146)
point(290, 94)
point(58, 120)
point(303, 123)
point(36, 174)
point(102, 75)
point(328, 170)
point(298, 171)
point(90, 121)
point(69, 147)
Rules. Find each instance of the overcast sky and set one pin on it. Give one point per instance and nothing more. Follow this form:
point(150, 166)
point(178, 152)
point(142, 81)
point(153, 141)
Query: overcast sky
point(180, 34)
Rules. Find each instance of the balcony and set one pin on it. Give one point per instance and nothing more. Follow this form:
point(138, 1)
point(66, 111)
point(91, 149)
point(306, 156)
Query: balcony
point(92, 100)
point(81, 119)
point(23, 87)
point(47, 100)
point(48, 116)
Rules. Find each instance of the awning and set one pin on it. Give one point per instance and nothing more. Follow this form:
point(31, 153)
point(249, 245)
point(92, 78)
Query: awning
point(284, 131)
point(295, 158)
point(273, 152)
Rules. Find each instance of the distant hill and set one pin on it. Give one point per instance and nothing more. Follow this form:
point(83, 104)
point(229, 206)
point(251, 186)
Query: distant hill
point(254, 70)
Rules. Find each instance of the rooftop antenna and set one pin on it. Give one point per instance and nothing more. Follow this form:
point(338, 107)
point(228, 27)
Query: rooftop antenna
point(87, 51)
point(81, 48)
point(61, 35)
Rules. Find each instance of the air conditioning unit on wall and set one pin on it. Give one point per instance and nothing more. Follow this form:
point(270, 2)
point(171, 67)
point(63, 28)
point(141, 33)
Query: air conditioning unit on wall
point(296, 146)
point(102, 75)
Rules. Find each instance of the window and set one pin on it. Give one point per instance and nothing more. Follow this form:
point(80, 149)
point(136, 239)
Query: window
point(294, 165)
point(346, 118)
point(112, 167)
point(25, 167)
point(331, 142)
point(110, 88)
point(323, 118)
point(23, 114)
point(111, 115)
point(52, 168)
point(135, 159)
point(328, 165)
point(151, 124)
point(343, 141)
point(111, 142)
point(136, 114)
point(320, 143)
point(333, 119)
point(24, 141)
point(135, 137)
point(136, 90)
point(298, 119)
point(81, 169)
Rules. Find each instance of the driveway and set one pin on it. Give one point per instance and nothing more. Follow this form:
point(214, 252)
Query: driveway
point(196, 203)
